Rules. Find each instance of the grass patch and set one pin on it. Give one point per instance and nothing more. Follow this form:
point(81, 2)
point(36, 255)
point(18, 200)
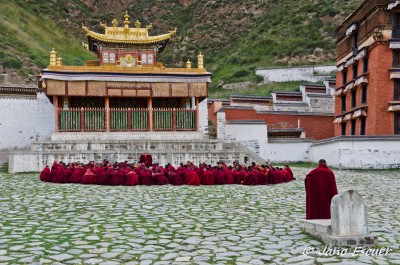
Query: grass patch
point(254, 89)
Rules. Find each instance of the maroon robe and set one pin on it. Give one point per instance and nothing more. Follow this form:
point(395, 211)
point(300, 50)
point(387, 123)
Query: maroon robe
point(160, 179)
point(53, 174)
point(251, 179)
point(131, 179)
point(104, 178)
point(236, 177)
point(229, 177)
point(175, 179)
point(145, 178)
point(286, 175)
point(208, 178)
point(262, 178)
point(89, 177)
point(45, 174)
point(192, 179)
point(219, 177)
point(146, 159)
point(320, 186)
point(117, 178)
point(76, 177)
point(66, 175)
point(288, 169)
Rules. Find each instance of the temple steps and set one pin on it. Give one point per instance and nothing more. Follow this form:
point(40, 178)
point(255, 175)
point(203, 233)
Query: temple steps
point(211, 151)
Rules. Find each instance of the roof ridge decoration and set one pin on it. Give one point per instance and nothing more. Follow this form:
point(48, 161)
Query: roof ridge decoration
point(126, 34)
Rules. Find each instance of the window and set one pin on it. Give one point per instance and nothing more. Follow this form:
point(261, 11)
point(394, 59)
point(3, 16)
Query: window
point(396, 90)
point(355, 71)
point(363, 125)
point(353, 127)
point(105, 57)
point(112, 57)
point(343, 128)
point(396, 25)
point(364, 94)
point(344, 77)
point(343, 102)
point(353, 98)
point(144, 58)
point(365, 65)
point(397, 123)
point(355, 42)
point(150, 59)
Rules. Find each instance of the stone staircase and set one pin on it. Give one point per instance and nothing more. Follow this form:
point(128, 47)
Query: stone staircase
point(85, 149)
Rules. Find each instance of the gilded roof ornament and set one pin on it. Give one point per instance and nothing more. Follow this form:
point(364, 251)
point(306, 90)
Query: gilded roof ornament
point(114, 22)
point(126, 34)
point(137, 24)
point(103, 25)
point(126, 21)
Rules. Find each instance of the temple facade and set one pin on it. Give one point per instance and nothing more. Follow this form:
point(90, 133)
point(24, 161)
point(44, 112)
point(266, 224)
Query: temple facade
point(126, 89)
point(368, 94)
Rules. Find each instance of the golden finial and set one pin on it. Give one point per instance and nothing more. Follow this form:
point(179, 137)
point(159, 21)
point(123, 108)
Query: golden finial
point(126, 22)
point(59, 61)
point(115, 22)
point(188, 64)
point(137, 24)
point(53, 56)
point(200, 61)
point(148, 27)
point(103, 25)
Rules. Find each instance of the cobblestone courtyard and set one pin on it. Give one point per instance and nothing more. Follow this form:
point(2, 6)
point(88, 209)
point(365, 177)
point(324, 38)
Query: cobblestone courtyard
point(45, 223)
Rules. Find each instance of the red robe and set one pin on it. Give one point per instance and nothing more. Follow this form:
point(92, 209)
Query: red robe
point(146, 159)
point(160, 179)
point(288, 169)
point(251, 179)
point(192, 179)
point(175, 179)
point(208, 178)
point(104, 178)
point(286, 175)
point(76, 177)
point(320, 186)
point(262, 178)
point(131, 179)
point(229, 177)
point(45, 174)
point(219, 177)
point(117, 178)
point(145, 178)
point(89, 177)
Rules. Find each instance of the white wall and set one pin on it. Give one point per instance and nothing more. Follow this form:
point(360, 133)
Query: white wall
point(370, 152)
point(287, 152)
point(203, 117)
point(302, 73)
point(253, 136)
point(23, 121)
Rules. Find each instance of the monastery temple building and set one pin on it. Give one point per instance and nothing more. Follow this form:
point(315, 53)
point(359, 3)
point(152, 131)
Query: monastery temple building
point(126, 89)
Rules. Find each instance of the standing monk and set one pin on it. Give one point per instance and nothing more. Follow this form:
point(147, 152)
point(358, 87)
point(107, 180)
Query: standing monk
point(320, 188)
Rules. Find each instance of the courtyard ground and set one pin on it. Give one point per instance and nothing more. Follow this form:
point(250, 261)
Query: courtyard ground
point(45, 223)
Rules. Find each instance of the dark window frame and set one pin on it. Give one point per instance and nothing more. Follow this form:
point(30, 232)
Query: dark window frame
point(343, 128)
point(343, 102)
point(344, 77)
point(354, 98)
point(365, 65)
point(363, 125)
point(364, 94)
point(353, 127)
point(355, 70)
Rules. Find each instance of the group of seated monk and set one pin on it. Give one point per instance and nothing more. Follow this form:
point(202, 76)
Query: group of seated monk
point(127, 174)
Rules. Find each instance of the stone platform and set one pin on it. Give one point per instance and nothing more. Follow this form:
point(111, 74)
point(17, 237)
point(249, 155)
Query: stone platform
point(322, 228)
point(99, 146)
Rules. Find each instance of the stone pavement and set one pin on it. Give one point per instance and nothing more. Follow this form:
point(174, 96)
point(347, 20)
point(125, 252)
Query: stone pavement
point(45, 223)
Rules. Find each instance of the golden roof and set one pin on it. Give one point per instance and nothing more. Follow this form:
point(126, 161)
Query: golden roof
point(125, 34)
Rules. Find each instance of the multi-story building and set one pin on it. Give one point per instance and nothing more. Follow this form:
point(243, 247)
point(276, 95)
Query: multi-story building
point(368, 77)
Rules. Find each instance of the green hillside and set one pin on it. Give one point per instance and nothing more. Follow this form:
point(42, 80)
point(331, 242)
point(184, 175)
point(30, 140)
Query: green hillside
point(235, 36)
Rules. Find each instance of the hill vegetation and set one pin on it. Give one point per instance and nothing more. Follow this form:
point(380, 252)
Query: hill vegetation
point(235, 36)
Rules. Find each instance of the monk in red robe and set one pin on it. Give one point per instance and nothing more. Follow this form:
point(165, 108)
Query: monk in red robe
point(320, 186)
point(77, 175)
point(251, 178)
point(131, 178)
point(288, 169)
point(229, 177)
point(175, 179)
point(147, 159)
point(160, 178)
point(192, 179)
point(105, 177)
point(117, 177)
point(89, 177)
point(208, 178)
point(45, 174)
point(145, 177)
